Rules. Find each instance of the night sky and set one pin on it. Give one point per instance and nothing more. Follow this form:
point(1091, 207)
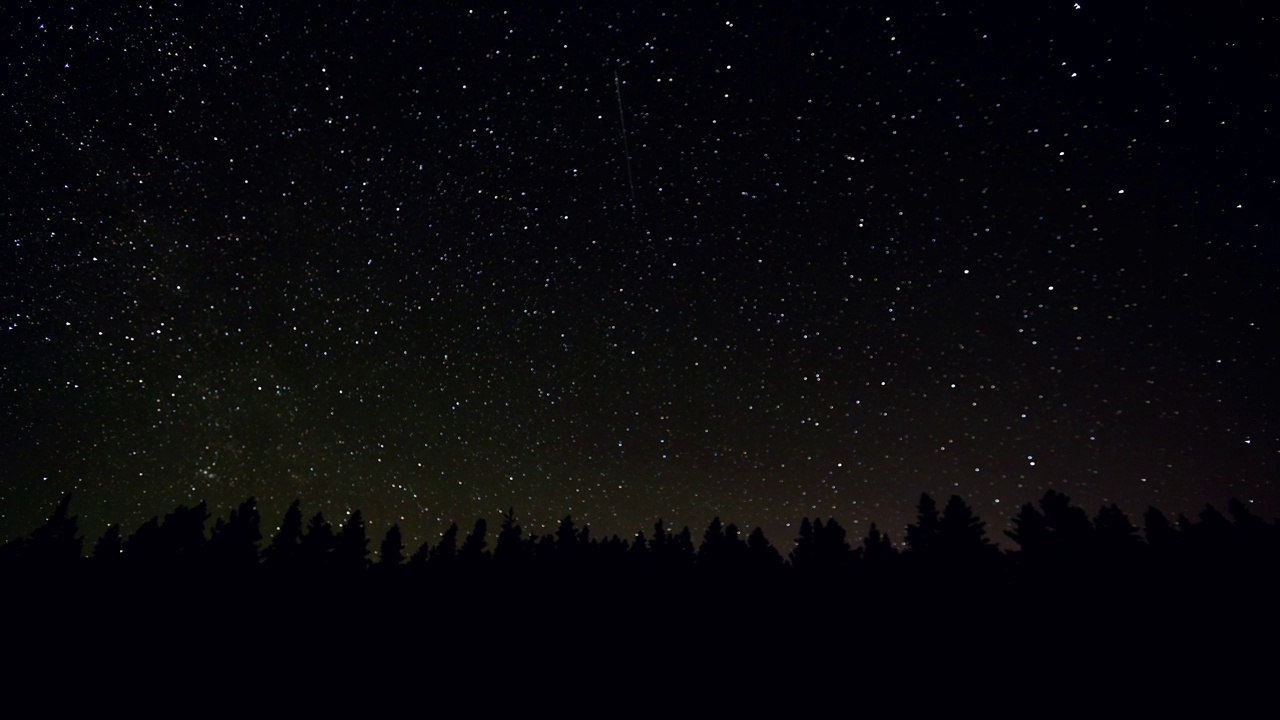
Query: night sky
point(636, 260)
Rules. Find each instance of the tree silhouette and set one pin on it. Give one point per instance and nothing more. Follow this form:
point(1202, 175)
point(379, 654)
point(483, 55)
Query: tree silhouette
point(287, 543)
point(922, 535)
point(962, 537)
point(567, 537)
point(1161, 534)
point(877, 550)
point(183, 532)
point(1255, 540)
point(391, 551)
point(1061, 550)
point(1117, 538)
point(445, 553)
point(821, 547)
point(1069, 525)
point(681, 547)
point(1213, 535)
point(176, 544)
point(1249, 527)
point(56, 543)
point(509, 548)
point(639, 557)
point(1057, 533)
point(1030, 530)
point(472, 551)
point(351, 551)
point(316, 549)
point(722, 550)
point(543, 550)
point(712, 536)
point(420, 556)
point(762, 555)
point(609, 554)
point(235, 543)
point(144, 546)
point(106, 551)
point(572, 547)
point(671, 552)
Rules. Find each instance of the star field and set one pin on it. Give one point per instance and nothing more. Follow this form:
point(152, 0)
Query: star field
point(402, 261)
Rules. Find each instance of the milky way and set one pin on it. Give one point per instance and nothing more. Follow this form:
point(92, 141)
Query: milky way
point(629, 261)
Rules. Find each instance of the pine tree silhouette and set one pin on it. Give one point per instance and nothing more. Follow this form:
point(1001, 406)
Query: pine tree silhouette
point(1249, 527)
point(712, 549)
point(1255, 540)
point(762, 555)
point(639, 558)
point(234, 544)
point(183, 534)
point(107, 550)
point(391, 551)
point(472, 553)
point(567, 535)
point(962, 537)
point(722, 549)
point(56, 544)
point(1057, 533)
point(351, 551)
point(445, 553)
point(1213, 535)
point(1118, 541)
point(286, 546)
point(660, 540)
point(1071, 530)
point(144, 546)
point(876, 548)
point(509, 550)
point(1161, 534)
point(682, 547)
point(177, 544)
point(671, 553)
point(317, 547)
point(922, 535)
point(420, 556)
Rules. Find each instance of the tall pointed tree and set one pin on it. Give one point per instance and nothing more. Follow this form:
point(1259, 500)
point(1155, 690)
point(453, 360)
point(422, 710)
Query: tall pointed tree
point(445, 553)
point(1058, 541)
point(391, 552)
point(803, 544)
point(143, 546)
point(821, 547)
point(1030, 530)
point(961, 535)
point(351, 550)
point(1116, 536)
point(472, 551)
point(1068, 521)
point(509, 548)
point(1162, 535)
point(722, 549)
point(106, 551)
point(712, 550)
point(761, 554)
point(922, 535)
point(317, 546)
point(235, 543)
point(57, 543)
point(287, 542)
point(877, 548)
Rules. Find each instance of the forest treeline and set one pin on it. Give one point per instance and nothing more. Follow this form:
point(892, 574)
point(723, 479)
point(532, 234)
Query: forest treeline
point(1056, 541)
point(1076, 597)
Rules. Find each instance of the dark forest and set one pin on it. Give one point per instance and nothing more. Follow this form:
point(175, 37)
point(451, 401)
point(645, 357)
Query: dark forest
point(1088, 599)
